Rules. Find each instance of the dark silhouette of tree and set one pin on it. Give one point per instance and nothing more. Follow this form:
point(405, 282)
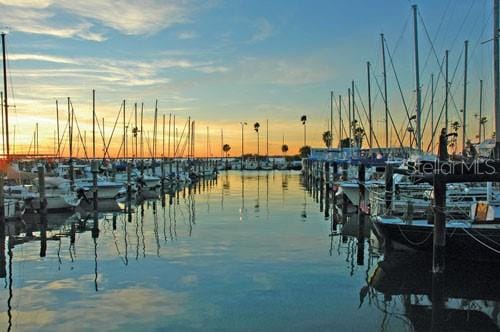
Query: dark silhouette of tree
point(327, 139)
point(284, 148)
point(226, 148)
point(305, 151)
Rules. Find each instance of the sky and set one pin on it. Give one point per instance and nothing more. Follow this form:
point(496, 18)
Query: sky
point(223, 63)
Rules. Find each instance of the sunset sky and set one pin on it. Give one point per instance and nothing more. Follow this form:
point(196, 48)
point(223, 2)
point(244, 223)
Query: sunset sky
point(226, 62)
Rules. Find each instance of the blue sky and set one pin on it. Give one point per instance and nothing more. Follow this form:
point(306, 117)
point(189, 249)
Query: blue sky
point(222, 62)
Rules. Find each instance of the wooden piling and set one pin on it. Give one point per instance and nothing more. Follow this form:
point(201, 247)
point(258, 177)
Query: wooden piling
point(95, 170)
point(439, 242)
point(129, 181)
point(389, 171)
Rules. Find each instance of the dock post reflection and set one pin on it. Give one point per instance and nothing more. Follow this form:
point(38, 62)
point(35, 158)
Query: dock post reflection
point(95, 236)
point(327, 190)
point(361, 215)
point(42, 211)
point(334, 200)
point(11, 292)
point(438, 302)
point(3, 272)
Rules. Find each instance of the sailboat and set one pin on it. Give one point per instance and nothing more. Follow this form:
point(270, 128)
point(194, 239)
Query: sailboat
point(475, 236)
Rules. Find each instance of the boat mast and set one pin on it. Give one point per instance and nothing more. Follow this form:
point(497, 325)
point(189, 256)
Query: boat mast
point(221, 143)
point(370, 122)
point(189, 138)
point(353, 106)
point(432, 112)
point(267, 138)
point(447, 90)
point(163, 138)
point(6, 104)
point(93, 124)
point(464, 121)
point(142, 135)
point(58, 139)
point(169, 127)
point(1, 109)
point(331, 116)
point(340, 121)
point(496, 78)
point(417, 81)
point(385, 93)
point(175, 138)
point(135, 130)
point(349, 111)
point(480, 108)
point(124, 133)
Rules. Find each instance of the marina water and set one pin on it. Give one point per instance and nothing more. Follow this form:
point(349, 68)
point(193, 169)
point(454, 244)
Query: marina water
point(249, 251)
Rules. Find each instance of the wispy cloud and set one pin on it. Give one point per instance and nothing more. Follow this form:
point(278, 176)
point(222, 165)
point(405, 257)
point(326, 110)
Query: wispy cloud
point(117, 71)
point(50, 17)
point(187, 35)
point(41, 57)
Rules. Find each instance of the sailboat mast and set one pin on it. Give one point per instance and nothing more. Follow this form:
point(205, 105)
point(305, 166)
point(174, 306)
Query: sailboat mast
point(57, 119)
point(340, 121)
point(169, 127)
point(142, 135)
point(496, 77)
point(385, 93)
point(447, 90)
point(267, 138)
point(124, 133)
point(155, 131)
point(6, 104)
point(175, 138)
point(350, 119)
point(1, 109)
point(353, 104)
point(70, 132)
point(464, 121)
point(480, 108)
point(189, 137)
point(432, 112)
point(417, 81)
point(370, 122)
point(93, 124)
point(135, 130)
point(331, 115)
point(163, 139)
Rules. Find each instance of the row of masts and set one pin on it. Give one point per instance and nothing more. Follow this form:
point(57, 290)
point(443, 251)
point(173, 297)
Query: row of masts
point(416, 131)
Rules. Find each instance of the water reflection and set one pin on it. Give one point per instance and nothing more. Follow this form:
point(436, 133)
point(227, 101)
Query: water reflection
point(185, 261)
point(465, 298)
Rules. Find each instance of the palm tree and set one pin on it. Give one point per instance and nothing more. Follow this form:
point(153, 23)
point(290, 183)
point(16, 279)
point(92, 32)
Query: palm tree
point(303, 118)
point(256, 127)
point(284, 148)
point(305, 151)
point(327, 139)
point(226, 148)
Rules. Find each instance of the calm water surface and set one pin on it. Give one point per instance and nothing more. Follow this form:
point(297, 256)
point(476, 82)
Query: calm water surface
point(249, 252)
